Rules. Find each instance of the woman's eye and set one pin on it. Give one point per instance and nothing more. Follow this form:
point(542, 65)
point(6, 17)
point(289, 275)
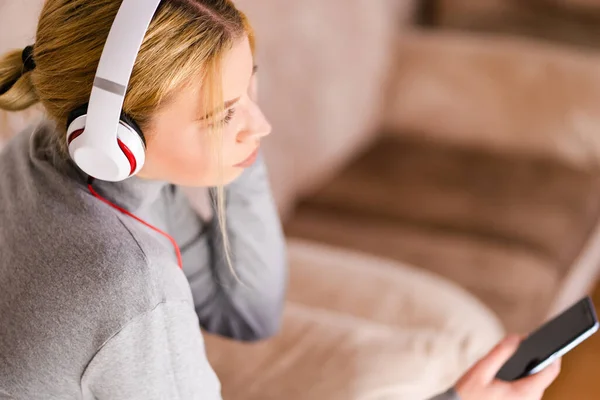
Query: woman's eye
point(227, 119)
point(229, 116)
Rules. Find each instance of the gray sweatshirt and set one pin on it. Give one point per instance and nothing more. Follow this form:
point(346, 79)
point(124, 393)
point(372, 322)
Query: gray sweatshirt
point(93, 304)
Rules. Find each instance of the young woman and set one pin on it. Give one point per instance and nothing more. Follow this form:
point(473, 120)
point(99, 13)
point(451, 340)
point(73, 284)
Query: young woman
point(93, 300)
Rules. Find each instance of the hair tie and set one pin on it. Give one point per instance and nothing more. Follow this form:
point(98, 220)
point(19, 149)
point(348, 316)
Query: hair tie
point(28, 65)
point(27, 57)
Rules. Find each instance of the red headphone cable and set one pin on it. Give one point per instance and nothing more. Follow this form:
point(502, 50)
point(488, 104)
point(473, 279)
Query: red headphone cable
point(124, 211)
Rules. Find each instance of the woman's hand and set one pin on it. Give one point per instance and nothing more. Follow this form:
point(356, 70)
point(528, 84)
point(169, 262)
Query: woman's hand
point(480, 383)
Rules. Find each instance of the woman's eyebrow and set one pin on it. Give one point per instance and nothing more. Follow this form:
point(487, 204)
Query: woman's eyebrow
point(230, 103)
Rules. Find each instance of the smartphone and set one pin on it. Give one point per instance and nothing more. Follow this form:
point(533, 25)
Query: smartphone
point(551, 341)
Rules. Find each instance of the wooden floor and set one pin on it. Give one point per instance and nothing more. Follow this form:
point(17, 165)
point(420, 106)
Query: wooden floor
point(580, 376)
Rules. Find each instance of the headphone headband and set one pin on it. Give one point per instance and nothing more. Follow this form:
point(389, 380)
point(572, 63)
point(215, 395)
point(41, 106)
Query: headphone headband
point(115, 67)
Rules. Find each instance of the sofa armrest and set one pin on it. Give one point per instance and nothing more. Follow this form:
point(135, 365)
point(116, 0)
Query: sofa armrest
point(581, 276)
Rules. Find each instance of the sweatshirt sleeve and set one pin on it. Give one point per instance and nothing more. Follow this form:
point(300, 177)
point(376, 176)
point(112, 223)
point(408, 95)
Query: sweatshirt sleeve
point(158, 355)
point(247, 305)
point(449, 395)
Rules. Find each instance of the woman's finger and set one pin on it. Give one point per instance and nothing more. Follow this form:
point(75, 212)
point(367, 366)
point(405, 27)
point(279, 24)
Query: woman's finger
point(540, 381)
point(488, 367)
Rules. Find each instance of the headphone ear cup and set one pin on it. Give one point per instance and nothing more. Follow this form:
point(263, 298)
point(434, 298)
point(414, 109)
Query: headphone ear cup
point(132, 144)
point(130, 139)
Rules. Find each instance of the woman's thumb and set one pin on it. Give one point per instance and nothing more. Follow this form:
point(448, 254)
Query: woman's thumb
point(489, 366)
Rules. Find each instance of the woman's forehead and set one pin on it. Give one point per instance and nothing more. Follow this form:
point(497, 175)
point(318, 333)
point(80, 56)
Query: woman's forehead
point(237, 69)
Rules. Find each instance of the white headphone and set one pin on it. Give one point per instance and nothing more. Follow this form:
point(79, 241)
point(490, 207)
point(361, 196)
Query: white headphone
point(102, 140)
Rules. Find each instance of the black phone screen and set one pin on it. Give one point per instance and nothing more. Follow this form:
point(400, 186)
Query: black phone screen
point(549, 339)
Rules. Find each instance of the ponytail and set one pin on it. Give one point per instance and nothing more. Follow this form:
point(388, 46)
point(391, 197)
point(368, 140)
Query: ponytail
point(16, 87)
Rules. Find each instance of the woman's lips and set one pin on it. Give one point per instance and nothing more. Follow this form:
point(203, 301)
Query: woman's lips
point(248, 161)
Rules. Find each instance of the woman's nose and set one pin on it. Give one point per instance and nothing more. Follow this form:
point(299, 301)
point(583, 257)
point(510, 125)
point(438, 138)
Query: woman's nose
point(258, 126)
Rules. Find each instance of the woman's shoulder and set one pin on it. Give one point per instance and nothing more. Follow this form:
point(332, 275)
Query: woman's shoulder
point(64, 250)
point(71, 239)
point(69, 273)
point(49, 217)
point(71, 247)
point(60, 246)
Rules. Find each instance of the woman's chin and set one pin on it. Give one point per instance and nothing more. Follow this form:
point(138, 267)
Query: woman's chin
point(228, 176)
point(231, 176)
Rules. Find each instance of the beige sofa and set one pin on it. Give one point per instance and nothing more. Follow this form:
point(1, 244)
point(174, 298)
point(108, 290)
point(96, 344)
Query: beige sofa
point(376, 149)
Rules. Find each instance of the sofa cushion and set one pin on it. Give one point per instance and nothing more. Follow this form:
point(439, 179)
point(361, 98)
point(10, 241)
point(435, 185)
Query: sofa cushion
point(358, 327)
point(324, 355)
point(386, 292)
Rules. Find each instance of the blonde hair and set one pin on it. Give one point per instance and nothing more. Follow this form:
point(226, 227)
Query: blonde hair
point(186, 38)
